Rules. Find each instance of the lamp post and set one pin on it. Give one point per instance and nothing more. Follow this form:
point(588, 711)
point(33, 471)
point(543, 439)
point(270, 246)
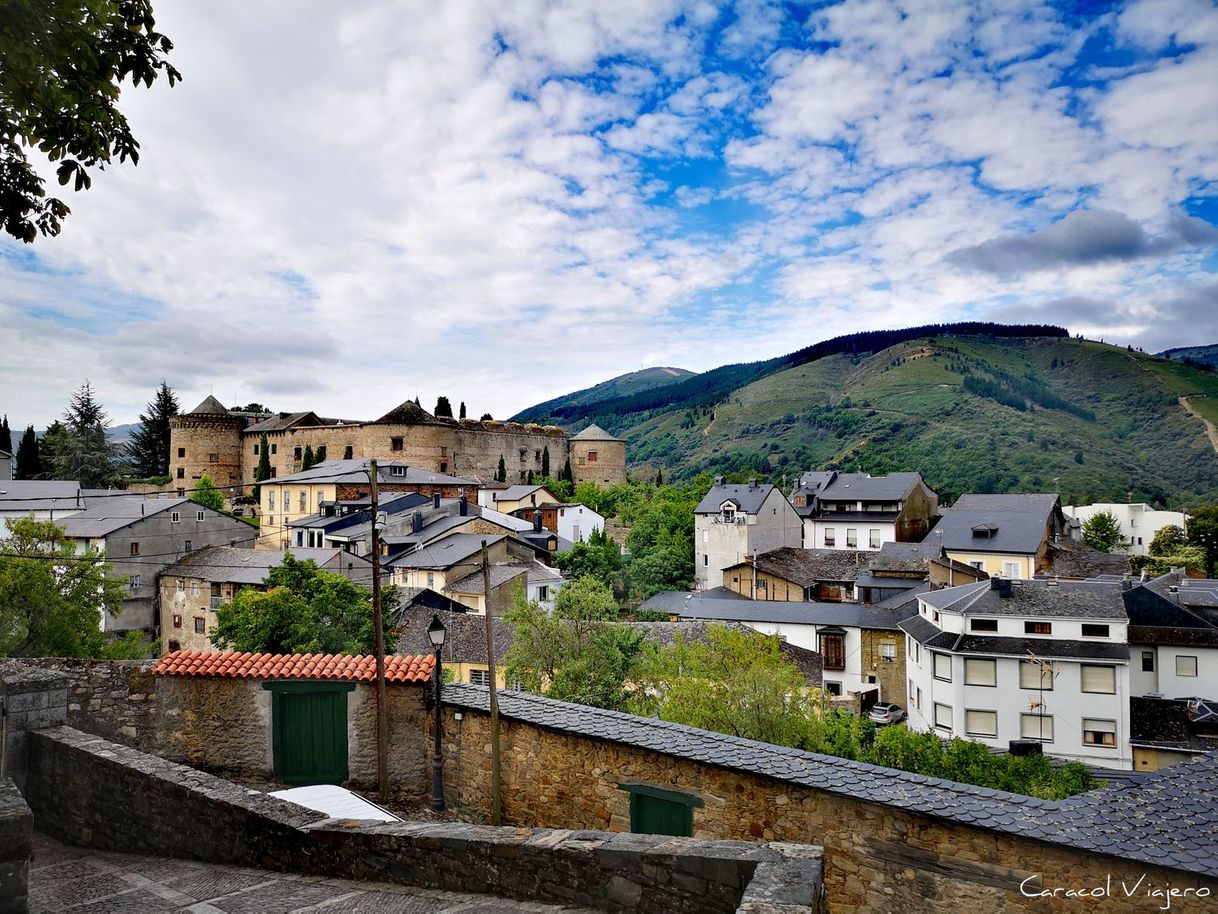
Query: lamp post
point(436, 633)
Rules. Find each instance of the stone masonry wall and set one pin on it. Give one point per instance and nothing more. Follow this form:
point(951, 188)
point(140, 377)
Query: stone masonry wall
point(889, 674)
point(877, 858)
point(91, 792)
point(16, 838)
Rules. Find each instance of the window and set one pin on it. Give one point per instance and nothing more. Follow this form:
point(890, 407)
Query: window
point(1099, 732)
point(909, 687)
point(888, 651)
point(943, 716)
point(135, 548)
point(255, 450)
point(270, 499)
point(181, 585)
point(830, 538)
point(297, 453)
point(194, 588)
point(543, 593)
point(395, 444)
point(431, 579)
point(304, 502)
point(1034, 676)
point(175, 517)
point(852, 538)
point(480, 677)
point(187, 546)
point(135, 582)
point(443, 466)
point(1011, 569)
point(274, 472)
point(182, 452)
point(213, 458)
point(177, 621)
point(1038, 628)
point(1148, 661)
point(397, 471)
point(287, 500)
point(270, 519)
point(980, 566)
point(348, 452)
point(1101, 679)
point(979, 671)
point(591, 456)
point(1036, 726)
point(942, 666)
point(833, 688)
point(873, 537)
point(919, 698)
point(705, 561)
point(1186, 665)
point(981, 723)
point(983, 625)
point(274, 448)
point(833, 650)
point(200, 625)
point(199, 515)
point(1094, 630)
point(181, 474)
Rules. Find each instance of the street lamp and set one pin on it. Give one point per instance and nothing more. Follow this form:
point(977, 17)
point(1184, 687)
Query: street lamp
point(435, 634)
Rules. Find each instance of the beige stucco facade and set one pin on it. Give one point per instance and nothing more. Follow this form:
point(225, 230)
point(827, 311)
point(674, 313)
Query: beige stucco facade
point(998, 564)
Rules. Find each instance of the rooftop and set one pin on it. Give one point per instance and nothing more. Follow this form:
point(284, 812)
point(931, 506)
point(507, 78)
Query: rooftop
point(107, 515)
point(40, 495)
point(231, 564)
point(356, 471)
point(594, 433)
point(830, 485)
point(340, 667)
point(930, 635)
point(748, 497)
point(445, 553)
point(704, 605)
point(806, 567)
point(1034, 599)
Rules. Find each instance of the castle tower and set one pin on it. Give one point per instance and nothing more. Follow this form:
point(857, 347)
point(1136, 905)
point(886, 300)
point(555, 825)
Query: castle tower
point(597, 456)
point(206, 440)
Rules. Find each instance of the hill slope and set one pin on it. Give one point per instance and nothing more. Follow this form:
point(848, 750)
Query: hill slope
point(1206, 355)
point(624, 385)
point(971, 412)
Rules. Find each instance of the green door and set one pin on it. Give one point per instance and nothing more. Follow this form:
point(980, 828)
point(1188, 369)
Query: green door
point(309, 727)
point(655, 811)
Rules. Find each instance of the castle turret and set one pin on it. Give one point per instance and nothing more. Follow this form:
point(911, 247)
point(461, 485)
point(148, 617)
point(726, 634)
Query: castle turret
point(597, 456)
point(206, 440)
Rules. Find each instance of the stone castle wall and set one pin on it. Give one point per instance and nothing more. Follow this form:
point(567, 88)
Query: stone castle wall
point(206, 444)
point(609, 468)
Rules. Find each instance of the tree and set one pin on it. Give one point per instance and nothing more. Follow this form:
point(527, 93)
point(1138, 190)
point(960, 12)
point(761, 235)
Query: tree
point(148, 449)
point(52, 599)
point(1102, 531)
point(253, 408)
point(308, 460)
point(262, 472)
point(64, 65)
point(545, 461)
point(443, 409)
point(462, 413)
point(566, 475)
point(79, 447)
point(303, 610)
point(501, 472)
point(487, 417)
point(29, 463)
point(1203, 533)
point(597, 557)
point(1168, 540)
point(529, 477)
point(660, 477)
point(6, 436)
point(206, 494)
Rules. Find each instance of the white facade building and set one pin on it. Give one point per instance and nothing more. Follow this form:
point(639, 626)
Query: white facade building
point(1004, 660)
point(733, 522)
point(1173, 637)
point(576, 522)
point(1139, 522)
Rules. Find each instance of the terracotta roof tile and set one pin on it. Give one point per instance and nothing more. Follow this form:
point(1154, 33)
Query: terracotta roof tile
point(234, 665)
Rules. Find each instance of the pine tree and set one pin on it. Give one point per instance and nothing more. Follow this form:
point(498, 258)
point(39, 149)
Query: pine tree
point(659, 477)
point(6, 436)
point(81, 450)
point(529, 480)
point(501, 473)
point(148, 449)
point(444, 409)
point(545, 461)
point(462, 409)
point(308, 460)
point(29, 462)
point(263, 470)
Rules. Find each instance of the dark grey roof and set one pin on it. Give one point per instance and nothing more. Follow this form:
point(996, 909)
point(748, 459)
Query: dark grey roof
point(695, 605)
point(40, 495)
point(465, 640)
point(748, 497)
point(1070, 559)
point(1034, 599)
point(930, 635)
point(904, 557)
point(445, 553)
point(1169, 818)
point(806, 567)
point(830, 486)
point(356, 471)
point(499, 575)
point(107, 515)
point(1038, 504)
point(210, 407)
point(231, 564)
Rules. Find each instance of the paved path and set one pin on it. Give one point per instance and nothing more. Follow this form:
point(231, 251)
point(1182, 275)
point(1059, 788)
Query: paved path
point(65, 878)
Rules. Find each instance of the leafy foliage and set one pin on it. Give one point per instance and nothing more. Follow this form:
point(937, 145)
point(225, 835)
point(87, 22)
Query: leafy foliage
point(6, 436)
point(64, 63)
point(1203, 533)
point(52, 600)
point(262, 472)
point(303, 610)
point(501, 470)
point(1102, 531)
point(1167, 540)
point(443, 409)
point(148, 447)
point(206, 494)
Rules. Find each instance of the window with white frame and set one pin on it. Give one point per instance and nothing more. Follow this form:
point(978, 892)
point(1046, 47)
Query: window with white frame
point(852, 538)
point(888, 651)
point(873, 537)
point(943, 716)
point(942, 666)
point(194, 588)
point(1099, 732)
point(175, 517)
point(480, 677)
point(983, 625)
point(199, 517)
point(979, 671)
point(1012, 569)
point(1036, 726)
point(1033, 675)
point(304, 502)
point(981, 723)
point(1098, 679)
point(830, 537)
point(1186, 665)
point(135, 582)
point(181, 585)
point(270, 499)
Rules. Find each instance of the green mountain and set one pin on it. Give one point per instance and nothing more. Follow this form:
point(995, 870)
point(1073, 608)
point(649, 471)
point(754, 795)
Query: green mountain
point(975, 408)
point(1206, 355)
point(623, 385)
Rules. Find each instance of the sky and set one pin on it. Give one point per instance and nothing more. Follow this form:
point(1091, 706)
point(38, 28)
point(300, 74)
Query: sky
point(346, 205)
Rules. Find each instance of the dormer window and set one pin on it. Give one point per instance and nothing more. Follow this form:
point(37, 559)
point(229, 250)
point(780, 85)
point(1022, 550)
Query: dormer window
point(985, 531)
point(397, 471)
point(728, 511)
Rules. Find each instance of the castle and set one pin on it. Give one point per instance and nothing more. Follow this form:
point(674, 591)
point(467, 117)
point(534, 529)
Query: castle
point(224, 444)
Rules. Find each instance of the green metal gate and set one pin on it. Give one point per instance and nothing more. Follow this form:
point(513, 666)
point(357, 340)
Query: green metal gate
point(655, 811)
point(309, 731)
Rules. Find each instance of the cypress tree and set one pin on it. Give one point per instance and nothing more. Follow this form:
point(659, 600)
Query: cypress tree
point(308, 459)
point(545, 461)
point(29, 461)
point(444, 409)
point(501, 473)
point(567, 475)
point(530, 478)
point(6, 436)
point(462, 409)
point(660, 477)
point(263, 470)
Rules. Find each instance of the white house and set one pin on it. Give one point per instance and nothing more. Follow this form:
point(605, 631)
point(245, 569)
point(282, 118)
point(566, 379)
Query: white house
point(576, 522)
point(733, 522)
point(1139, 522)
point(1173, 637)
point(1002, 660)
point(861, 511)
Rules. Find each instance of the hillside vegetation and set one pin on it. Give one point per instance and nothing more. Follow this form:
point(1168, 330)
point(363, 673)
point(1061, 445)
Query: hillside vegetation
point(972, 412)
point(622, 386)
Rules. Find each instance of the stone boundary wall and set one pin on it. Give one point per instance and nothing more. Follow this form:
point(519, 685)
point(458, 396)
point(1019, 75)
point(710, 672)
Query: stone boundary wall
point(16, 834)
point(87, 791)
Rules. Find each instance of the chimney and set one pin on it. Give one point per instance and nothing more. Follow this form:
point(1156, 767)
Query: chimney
point(752, 483)
point(417, 526)
point(537, 521)
point(435, 499)
point(718, 480)
point(1126, 584)
point(464, 505)
point(1003, 586)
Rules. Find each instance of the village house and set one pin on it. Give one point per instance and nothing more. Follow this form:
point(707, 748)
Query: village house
point(1003, 535)
point(861, 511)
point(510, 499)
point(1173, 637)
point(572, 522)
point(735, 521)
point(1139, 522)
point(41, 499)
point(1004, 661)
point(193, 588)
point(139, 537)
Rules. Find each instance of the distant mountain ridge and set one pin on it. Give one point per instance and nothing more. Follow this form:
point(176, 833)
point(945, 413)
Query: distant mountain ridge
point(624, 385)
point(1207, 355)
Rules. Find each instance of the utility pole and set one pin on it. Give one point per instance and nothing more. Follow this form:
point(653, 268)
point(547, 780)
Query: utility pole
point(492, 679)
point(382, 722)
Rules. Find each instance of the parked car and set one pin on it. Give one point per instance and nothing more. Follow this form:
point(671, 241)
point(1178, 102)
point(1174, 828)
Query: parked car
point(884, 713)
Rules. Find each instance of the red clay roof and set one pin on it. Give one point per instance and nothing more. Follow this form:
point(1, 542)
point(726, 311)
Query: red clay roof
point(234, 665)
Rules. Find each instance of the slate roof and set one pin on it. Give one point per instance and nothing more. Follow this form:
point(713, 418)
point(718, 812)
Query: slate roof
point(356, 471)
point(863, 487)
point(1034, 599)
point(697, 605)
point(40, 495)
point(1020, 523)
point(904, 557)
point(747, 496)
point(806, 567)
point(444, 554)
point(594, 433)
point(1071, 559)
point(1168, 818)
point(107, 515)
point(499, 575)
point(465, 641)
point(521, 491)
point(341, 667)
point(230, 564)
point(283, 421)
point(210, 407)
